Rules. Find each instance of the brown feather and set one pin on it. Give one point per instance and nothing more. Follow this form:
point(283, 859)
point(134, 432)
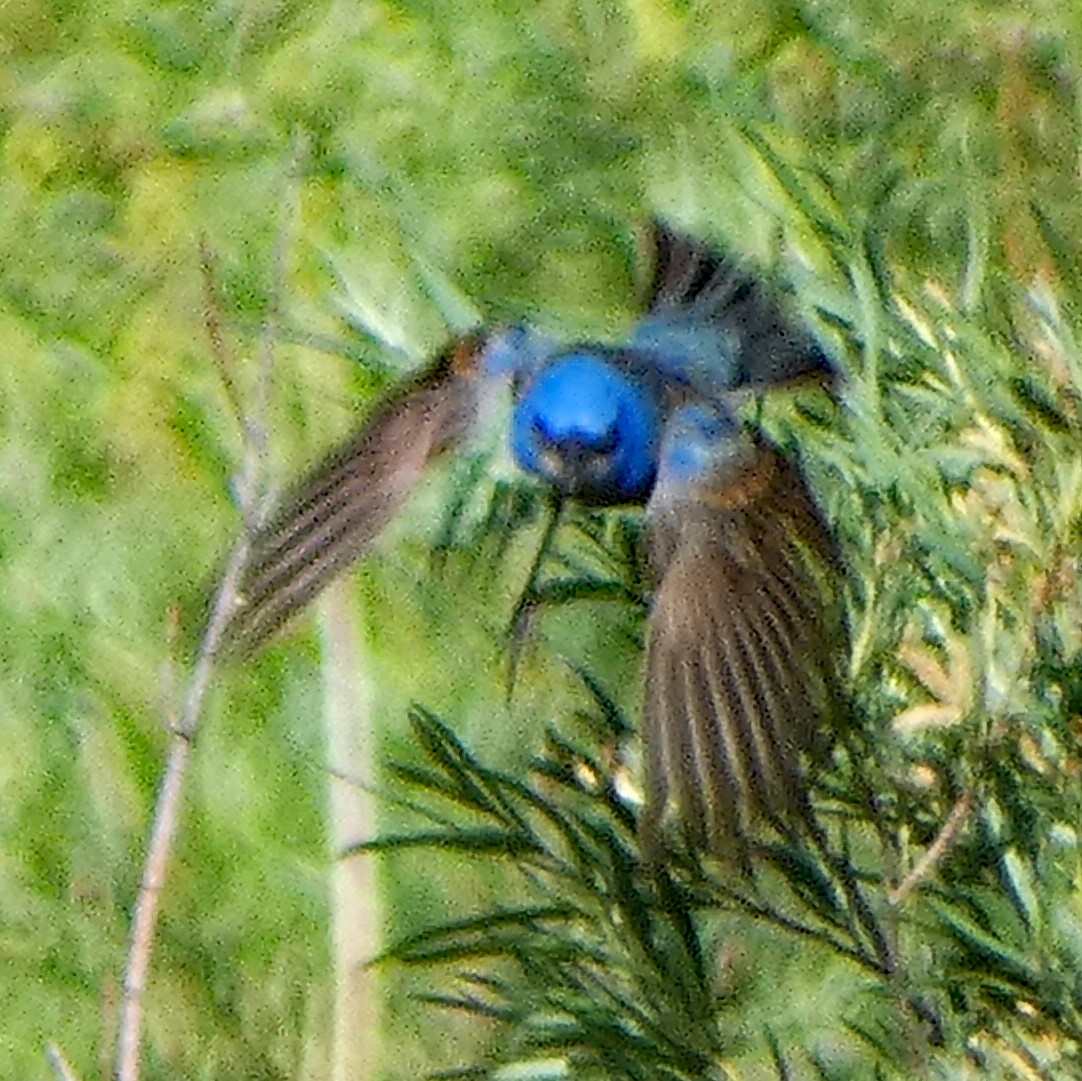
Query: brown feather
point(741, 643)
point(335, 515)
point(692, 276)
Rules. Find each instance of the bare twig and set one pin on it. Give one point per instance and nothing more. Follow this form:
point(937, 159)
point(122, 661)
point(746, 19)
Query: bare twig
point(167, 810)
point(213, 325)
point(956, 820)
point(59, 1063)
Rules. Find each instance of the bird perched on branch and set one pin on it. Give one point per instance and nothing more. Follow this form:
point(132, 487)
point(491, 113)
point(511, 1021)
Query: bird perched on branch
point(740, 647)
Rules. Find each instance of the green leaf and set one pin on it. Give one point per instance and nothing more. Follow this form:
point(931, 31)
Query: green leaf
point(477, 840)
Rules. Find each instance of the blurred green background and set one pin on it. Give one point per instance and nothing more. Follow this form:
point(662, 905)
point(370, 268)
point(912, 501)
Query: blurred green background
point(909, 171)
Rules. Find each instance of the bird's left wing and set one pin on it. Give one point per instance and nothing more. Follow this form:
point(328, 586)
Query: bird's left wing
point(715, 326)
point(742, 637)
point(335, 515)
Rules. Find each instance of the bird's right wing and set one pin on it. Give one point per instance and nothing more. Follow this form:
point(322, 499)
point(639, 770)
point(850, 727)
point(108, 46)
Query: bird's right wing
point(335, 515)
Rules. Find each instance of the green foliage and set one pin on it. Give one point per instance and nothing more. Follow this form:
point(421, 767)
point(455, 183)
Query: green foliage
point(359, 177)
point(601, 965)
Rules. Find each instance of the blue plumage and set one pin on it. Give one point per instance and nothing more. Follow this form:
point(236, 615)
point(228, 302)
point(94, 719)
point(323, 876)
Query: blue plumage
point(740, 646)
point(702, 444)
point(589, 429)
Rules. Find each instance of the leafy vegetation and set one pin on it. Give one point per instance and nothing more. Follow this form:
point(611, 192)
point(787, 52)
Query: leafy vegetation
point(194, 187)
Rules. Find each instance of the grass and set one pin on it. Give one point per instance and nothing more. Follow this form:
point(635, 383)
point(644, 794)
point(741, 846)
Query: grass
point(911, 177)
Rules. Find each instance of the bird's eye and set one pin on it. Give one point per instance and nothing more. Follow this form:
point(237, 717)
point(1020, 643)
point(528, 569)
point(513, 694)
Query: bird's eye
point(578, 443)
point(608, 445)
point(572, 455)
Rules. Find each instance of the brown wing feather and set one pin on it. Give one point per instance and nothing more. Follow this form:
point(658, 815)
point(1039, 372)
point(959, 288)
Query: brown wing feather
point(683, 268)
point(335, 515)
point(739, 660)
point(693, 276)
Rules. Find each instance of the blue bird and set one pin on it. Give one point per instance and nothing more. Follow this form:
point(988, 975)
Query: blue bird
point(742, 639)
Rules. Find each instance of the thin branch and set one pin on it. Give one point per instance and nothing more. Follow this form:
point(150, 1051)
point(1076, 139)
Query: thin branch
point(769, 914)
point(526, 606)
point(167, 809)
point(860, 910)
point(212, 323)
point(956, 821)
point(59, 1063)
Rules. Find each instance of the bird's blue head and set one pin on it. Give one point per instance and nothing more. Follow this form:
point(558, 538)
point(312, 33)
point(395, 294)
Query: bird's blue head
point(589, 429)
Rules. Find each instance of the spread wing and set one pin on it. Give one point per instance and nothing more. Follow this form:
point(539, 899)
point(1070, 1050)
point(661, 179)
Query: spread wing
point(717, 326)
point(334, 516)
point(740, 656)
